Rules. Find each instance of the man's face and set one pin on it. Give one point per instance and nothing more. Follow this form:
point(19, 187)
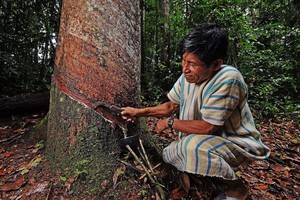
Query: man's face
point(194, 70)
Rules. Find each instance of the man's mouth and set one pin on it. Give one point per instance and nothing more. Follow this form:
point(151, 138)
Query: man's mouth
point(187, 75)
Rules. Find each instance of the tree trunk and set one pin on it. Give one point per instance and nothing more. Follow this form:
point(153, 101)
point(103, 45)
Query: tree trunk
point(97, 59)
point(24, 104)
point(166, 33)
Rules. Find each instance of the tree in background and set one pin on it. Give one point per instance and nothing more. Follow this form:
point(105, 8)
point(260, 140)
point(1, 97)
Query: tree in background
point(97, 60)
point(27, 45)
point(264, 39)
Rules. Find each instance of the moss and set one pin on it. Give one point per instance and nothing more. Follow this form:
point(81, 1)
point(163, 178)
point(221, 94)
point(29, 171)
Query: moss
point(38, 132)
point(81, 142)
point(151, 141)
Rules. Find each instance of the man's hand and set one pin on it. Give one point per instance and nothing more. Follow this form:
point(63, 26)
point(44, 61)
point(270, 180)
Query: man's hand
point(161, 125)
point(129, 113)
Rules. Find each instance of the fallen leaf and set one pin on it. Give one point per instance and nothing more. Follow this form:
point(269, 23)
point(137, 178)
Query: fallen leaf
point(33, 163)
point(5, 128)
point(185, 181)
point(7, 154)
point(14, 185)
point(120, 170)
point(296, 140)
point(261, 187)
point(249, 178)
point(269, 181)
point(178, 193)
point(4, 171)
point(279, 168)
point(104, 184)
point(239, 173)
point(295, 160)
point(139, 167)
point(283, 183)
point(261, 173)
point(9, 170)
point(38, 188)
point(260, 164)
point(19, 130)
point(70, 181)
point(286, 174)
point(288, 135)
point(199, 195)
point(24, 171)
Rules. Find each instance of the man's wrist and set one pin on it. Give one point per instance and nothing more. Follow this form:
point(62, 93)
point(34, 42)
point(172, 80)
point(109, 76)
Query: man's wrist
point(170, 122)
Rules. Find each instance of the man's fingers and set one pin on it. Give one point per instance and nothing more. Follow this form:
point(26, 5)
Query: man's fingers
point(129, 119)
point(128, 113)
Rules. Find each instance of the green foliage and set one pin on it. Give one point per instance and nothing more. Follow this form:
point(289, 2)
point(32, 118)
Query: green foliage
point(63, 178)
point(264, 46)
point(28, 35)
point(39, 145)
point(144, 193)
point(161, 35)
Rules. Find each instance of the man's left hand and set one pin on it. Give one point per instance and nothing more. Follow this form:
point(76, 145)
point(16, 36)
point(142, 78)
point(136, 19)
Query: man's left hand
point(161, 125)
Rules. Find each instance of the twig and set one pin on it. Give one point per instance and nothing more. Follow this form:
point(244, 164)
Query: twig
point(10, 139)
point(157, 185)
point(139, 161)
point(49, 192)
point(130, 165)
point(147, 160)
point(144, 174)
point(142, 155)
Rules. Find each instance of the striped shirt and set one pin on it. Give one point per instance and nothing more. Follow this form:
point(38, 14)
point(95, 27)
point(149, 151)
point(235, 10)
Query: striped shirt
point(221, 101)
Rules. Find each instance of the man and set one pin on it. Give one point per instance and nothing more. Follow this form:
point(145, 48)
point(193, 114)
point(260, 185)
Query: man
point(216, 127)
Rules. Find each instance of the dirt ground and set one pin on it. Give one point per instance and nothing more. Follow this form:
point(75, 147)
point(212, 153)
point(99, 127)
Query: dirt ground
point(25, 173)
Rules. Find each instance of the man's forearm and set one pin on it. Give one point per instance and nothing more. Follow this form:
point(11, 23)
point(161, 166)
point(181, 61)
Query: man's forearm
point(162, 110)
point(195, 127)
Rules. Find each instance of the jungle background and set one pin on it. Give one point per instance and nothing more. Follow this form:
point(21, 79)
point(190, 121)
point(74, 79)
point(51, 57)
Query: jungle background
point(264, 46)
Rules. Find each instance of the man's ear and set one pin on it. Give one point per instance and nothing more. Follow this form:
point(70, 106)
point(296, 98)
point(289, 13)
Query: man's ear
point(217, 64)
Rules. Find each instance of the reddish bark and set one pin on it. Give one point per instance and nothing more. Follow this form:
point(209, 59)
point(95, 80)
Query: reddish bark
point(98, 57)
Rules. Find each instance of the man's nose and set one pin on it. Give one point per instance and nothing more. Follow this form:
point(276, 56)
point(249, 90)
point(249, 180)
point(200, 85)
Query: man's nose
point(185, 67)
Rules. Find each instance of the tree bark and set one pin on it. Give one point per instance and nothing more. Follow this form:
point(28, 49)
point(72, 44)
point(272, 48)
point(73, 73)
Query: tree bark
point(97, 59)
point(166, 33)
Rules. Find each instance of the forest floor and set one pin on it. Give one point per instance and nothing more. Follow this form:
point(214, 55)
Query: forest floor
point(25, 173)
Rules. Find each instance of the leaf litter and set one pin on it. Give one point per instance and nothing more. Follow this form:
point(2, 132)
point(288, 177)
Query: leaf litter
point(24, 174)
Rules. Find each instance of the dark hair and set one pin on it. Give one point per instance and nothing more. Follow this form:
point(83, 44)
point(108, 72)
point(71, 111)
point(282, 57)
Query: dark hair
point(208, 41)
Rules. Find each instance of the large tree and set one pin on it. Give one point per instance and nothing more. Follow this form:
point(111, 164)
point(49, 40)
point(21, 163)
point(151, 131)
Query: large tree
point(97, 60)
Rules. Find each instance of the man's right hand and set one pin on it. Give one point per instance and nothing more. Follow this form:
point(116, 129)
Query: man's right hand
point(129, 113)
